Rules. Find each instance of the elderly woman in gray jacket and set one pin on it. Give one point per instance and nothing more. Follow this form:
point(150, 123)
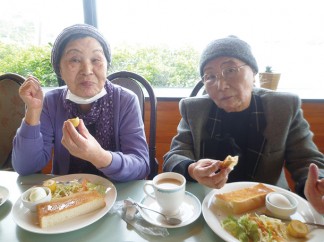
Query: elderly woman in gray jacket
point(266, 129)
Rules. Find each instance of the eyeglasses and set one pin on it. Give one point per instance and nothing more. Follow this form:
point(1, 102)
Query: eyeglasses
point(228, 73)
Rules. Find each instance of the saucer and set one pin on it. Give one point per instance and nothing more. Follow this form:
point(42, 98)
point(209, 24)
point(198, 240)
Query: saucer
point(4, 194)
point(190, 210)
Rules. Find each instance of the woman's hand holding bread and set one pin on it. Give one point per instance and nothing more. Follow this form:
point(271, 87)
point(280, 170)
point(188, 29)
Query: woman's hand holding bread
point(80, 143)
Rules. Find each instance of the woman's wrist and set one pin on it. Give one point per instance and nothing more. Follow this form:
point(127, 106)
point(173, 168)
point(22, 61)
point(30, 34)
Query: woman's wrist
point(32, 117)
point(104, 159)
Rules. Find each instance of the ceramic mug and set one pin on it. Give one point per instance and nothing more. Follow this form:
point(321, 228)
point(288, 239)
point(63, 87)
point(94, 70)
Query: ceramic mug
point(168, 190)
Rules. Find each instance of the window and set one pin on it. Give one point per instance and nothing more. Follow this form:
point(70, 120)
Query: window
point(286, 35)
point(26, 29)
point(162, 39)
point(37, 22)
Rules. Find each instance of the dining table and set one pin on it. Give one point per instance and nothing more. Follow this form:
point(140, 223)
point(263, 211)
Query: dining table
point(110, 227)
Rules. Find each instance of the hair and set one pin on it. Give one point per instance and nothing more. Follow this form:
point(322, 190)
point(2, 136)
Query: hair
point(77, 31)
point(230, 46)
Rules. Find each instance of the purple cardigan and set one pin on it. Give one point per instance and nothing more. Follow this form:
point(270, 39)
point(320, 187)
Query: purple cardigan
point(32, 145)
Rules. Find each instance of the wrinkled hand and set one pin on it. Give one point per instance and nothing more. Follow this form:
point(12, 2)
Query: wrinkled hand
point(83, 145)
point(207, 172)
point(314, 189)
point(32, 95)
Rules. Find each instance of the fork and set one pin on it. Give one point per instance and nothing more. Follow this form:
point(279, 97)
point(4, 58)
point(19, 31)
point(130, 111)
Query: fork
point(58, 182)
point(289, 220)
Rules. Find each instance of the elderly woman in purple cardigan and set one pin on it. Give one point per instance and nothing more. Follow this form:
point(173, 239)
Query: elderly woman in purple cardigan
point(109, 140)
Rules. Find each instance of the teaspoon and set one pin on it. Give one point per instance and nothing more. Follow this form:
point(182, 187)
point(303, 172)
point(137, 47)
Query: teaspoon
point(169, 220)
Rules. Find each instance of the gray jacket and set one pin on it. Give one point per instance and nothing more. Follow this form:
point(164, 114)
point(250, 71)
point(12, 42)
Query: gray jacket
point(289, 140)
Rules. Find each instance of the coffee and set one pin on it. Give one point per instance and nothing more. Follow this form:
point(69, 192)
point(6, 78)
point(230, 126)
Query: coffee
point(169, 191)
point(168, 183)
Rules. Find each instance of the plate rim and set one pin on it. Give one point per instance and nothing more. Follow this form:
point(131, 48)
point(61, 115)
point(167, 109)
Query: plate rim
point(189, 221)
point(5, 196)
point(109, 198)
point(224, 234)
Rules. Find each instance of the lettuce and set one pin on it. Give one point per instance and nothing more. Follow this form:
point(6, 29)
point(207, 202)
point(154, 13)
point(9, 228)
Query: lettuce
point(244, 229)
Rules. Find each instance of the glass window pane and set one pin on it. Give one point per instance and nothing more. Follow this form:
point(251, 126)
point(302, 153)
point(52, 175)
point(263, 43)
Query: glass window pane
point(26, 29)
point(37, 22)
point(284, 34)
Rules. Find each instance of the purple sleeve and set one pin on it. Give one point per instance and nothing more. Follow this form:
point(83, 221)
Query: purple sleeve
point(29, 155)
point(32, 145)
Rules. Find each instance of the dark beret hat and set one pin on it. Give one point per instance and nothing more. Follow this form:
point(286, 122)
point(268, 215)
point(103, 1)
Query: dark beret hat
point(69, 33)
point(230, 46)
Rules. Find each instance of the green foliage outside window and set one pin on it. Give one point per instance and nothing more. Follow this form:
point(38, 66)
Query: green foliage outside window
point(28, 61)
point(162, 67)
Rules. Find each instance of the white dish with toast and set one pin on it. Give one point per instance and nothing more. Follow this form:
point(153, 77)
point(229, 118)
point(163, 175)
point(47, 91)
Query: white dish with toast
point(28, 220)
point(213, 215)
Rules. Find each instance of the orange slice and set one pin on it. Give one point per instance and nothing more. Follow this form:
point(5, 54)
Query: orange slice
point(51, 184)
point(297, 229)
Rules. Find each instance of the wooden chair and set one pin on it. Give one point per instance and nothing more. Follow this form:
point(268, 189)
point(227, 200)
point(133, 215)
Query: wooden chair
point(290, 181)
point(12, 110)
point(198, 89)
point(138, 85)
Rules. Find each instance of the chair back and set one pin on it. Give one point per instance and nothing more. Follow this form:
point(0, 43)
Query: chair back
point(198, 89)
point(133, 86)
point(138, 85)
point(12, 110)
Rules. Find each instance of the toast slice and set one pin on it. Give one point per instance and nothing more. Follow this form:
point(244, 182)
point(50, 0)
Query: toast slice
point(243, 200)
point(65, 208)
point(230, 161)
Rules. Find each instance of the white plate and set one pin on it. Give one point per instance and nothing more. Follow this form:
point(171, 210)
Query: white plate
point(213, 216)
point(28, 220)
point(190, 210)
point(4, 194)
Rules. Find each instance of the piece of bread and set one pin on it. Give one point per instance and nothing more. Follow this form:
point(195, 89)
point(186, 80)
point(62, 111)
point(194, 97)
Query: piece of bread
point(62, 209)
point(243, 200)
point(75, 121)
point(230, 161)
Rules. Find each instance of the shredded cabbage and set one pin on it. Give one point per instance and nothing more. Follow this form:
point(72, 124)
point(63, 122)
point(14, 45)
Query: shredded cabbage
point(67, 188)
point(255, 228)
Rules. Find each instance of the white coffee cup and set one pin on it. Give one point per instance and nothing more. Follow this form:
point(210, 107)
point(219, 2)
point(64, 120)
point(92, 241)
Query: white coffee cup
point(169, 191)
